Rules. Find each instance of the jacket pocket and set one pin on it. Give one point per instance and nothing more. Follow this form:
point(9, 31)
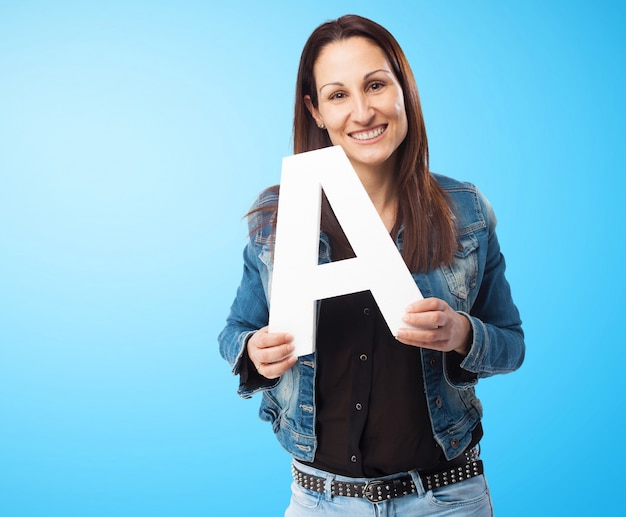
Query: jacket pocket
point(462, 274)
point(277, 402)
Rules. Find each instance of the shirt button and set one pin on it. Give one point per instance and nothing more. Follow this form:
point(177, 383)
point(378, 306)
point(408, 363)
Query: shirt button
point(366, 311)
point(353, 459)
point(358, 406)
point(363, 357)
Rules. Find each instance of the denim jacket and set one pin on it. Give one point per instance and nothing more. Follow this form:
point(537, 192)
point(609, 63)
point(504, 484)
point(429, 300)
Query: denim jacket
point(474, 284)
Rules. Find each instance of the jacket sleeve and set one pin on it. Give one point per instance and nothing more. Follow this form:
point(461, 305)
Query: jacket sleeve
point(248, 313)
point(497, 336)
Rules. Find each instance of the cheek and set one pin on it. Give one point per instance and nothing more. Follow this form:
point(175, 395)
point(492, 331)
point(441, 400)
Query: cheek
point(334, 138)
point(335, 116)
point(404, 126)
point(334, 126)
point(403, 123)
point(333, 119)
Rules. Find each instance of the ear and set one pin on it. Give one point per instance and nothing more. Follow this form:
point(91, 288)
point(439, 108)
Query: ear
point(312, 110)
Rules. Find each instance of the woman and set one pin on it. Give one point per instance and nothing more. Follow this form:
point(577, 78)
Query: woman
point(370, 419)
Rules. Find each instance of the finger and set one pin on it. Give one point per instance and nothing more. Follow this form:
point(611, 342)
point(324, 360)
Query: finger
point(420, 336)
point(276, 369)
point(424, 320)
point(426, 305)
point(441, 346)
point(274, 354)
point(263, 340)
point(271, 339)
point(265, 347)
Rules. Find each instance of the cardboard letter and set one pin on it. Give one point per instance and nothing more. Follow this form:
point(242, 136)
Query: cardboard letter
point(298, 281)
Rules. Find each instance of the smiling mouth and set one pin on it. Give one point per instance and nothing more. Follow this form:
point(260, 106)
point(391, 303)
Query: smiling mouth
point(369, 134)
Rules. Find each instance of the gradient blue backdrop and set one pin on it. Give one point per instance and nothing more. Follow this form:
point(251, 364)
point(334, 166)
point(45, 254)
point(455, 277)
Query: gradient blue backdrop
point(134, 136)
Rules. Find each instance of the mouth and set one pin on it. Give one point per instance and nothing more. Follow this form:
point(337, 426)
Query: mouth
point(369, 134)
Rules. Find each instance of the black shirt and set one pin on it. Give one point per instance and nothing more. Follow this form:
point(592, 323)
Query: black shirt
point(371, 410)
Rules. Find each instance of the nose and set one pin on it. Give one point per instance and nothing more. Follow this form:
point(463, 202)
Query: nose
point(362, 111)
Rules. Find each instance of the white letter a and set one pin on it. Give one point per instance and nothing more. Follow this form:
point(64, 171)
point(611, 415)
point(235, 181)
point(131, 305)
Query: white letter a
point(298, 281)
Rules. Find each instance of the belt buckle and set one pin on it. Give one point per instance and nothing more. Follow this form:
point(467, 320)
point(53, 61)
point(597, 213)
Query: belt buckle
point(368, 491)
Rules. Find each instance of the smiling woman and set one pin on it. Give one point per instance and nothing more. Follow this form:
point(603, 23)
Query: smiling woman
point(361, 105)
point(332, 409)
point(134, 136)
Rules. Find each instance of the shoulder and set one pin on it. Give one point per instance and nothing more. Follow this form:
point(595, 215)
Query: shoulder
point(470, 206)
point(262, 213)
point(453, 185)
point(267, 198)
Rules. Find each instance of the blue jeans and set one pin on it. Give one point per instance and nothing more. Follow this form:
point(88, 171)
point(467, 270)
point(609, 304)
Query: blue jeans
point(469, 498)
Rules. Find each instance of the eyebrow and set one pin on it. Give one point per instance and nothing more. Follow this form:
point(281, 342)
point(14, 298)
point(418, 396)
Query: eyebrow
point(367, 76)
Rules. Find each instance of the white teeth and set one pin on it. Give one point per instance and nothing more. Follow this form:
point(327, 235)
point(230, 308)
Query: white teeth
point(369, 134)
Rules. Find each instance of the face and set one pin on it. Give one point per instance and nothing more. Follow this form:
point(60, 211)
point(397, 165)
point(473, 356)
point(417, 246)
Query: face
point(360, 102)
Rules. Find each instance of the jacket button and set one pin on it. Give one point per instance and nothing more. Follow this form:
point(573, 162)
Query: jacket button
point(363, 357)
point(353, 459)
point(454, 443)
point(366, 311)
point(358, 406)
point(438, 402)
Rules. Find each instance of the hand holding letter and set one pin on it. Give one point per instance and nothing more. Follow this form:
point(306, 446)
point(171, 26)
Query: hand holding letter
point(438, 327)
point(271, 353)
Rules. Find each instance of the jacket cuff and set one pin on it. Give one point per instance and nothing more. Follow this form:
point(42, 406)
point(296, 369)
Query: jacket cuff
point(250, 381)
point(455, 364)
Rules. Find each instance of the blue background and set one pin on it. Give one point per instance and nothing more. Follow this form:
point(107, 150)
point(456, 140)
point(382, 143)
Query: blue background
point(135, 135)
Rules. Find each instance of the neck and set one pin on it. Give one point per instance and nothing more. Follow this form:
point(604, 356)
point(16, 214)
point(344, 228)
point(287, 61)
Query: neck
point(380, 185)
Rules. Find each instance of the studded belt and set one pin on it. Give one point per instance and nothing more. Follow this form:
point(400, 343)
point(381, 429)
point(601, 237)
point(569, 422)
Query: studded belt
point(381, 490)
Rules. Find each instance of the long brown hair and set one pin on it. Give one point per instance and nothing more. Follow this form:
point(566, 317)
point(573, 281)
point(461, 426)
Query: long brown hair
point(429, 237)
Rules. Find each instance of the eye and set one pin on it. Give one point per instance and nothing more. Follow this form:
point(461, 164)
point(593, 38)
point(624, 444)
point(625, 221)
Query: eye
point(337, 96)
point(376, 86)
